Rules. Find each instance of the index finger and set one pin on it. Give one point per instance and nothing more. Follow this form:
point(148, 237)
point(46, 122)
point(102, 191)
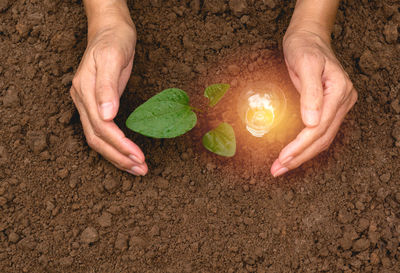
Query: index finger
point(112, 134)
point(308, 135)
point(108, 130)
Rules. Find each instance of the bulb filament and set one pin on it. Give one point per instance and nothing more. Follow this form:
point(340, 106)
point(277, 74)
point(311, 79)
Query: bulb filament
point(259, 115)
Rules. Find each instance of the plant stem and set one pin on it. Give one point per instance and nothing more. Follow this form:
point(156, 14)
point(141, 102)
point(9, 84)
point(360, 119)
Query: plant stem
point(196, 109)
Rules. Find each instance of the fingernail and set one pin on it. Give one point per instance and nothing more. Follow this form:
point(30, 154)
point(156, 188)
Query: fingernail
point(287, 160)
point(311, 117)
point(131, 172)
point(106, 110)
point(137, 170)
point(280, 171)
point(136, 159)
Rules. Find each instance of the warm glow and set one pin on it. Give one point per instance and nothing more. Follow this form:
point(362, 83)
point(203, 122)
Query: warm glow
point(261, 107)
point(259, 115)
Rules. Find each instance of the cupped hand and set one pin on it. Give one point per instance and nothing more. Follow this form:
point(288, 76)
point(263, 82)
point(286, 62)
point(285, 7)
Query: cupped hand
point(96, 89)
point(326, 93)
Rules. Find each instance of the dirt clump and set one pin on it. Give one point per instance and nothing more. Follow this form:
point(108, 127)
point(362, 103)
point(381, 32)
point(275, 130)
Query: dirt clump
point(63, 208)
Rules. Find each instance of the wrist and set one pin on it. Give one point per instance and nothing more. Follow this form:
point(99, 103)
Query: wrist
point(108, 14)
point(314, 16)
point(309, 26)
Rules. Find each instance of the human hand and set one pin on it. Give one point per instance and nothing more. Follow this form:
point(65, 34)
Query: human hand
point(98, 85)
point(326, 92)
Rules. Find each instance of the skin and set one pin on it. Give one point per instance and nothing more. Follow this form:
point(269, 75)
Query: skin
point(100, 80)
point(326, 91)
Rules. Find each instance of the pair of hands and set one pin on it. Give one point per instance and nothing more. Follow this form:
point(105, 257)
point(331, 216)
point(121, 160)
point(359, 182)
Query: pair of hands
point(327, 94)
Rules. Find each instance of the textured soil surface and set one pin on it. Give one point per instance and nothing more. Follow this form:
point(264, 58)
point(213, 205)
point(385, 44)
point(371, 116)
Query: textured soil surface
point(63, 208)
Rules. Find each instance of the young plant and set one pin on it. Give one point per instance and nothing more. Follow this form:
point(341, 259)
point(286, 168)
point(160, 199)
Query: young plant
point(169, 114)
point(221, 140)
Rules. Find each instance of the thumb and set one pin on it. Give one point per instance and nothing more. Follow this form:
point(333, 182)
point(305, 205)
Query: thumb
point(108, 71)
point(312, 94)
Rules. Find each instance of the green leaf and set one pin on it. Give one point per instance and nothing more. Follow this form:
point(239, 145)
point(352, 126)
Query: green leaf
point(165, 115)
point(221, 140)
point(215, 92)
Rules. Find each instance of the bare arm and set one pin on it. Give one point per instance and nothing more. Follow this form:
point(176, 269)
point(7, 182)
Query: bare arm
point(101, 78)
point(103, 14)
point(316, 16)
point(326, 92)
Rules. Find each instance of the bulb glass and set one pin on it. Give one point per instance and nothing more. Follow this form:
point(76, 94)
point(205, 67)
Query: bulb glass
point(261, 107)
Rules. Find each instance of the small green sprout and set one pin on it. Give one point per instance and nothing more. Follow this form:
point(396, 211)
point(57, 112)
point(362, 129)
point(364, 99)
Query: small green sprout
point(169, 114)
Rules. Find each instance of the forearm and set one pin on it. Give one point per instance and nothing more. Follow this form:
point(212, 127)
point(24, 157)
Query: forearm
point(106, 13)
point(317, 16)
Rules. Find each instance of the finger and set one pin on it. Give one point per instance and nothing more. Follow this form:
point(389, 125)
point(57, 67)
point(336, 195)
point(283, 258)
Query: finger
point(308, 135)
point(139, 169)
point(136, 169)
point(120, 160)
point(108, 131)
point(109, 64)
point(318, 146)
point(279, 168)
point(125, 75)
point(309, 70)
point(332, 100)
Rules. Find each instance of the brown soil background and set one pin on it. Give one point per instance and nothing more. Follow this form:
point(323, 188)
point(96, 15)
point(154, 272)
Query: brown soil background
point(63, 208)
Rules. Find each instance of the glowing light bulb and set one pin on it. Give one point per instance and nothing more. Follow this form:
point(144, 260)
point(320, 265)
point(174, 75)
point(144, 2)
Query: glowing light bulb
point(261, 107)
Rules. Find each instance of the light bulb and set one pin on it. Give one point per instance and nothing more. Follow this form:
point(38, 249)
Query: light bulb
point(261, 106)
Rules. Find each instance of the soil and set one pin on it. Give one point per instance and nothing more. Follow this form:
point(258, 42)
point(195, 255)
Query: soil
point(63, 208)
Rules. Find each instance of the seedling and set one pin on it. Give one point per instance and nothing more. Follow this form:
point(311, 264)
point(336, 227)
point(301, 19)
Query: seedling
point(169, 114)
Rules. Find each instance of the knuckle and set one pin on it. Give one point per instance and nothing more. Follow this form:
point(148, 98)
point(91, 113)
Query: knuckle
point(92, 140)
point(76, 83)
point(325, 143)
point(72, 93)
point(349, 85)
point(97, 131)
point(349, 95)
point(342, 89)
point(342, 83)
point(342, 97)
point(321, 131)
point(324, 147)
point(354, 97)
